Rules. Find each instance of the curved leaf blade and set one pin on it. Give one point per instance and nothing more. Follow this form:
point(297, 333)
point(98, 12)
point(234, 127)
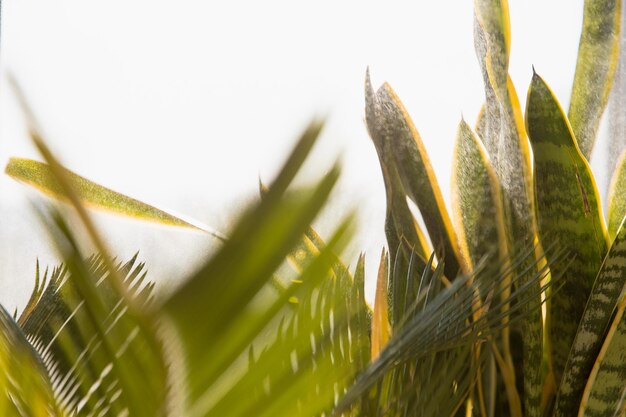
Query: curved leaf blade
point(389, 124)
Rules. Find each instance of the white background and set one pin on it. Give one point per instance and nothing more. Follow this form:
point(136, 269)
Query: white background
point(186, 104)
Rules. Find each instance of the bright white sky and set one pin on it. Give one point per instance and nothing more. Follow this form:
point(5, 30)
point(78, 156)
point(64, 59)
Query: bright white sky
point(184, 104)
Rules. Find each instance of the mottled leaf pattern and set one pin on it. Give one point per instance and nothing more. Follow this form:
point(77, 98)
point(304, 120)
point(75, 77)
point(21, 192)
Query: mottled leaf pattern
point(390, 125)
point(605, 393)
point(602, 302)
point(568, 210)
point(595, 69)
point(617, 103)
point(617, 196)
point(502, 131)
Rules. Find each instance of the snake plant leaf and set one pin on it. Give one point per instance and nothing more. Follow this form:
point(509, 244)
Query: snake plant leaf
point(401, 228)
point(617, 104)
point(595, 69)
point(25, 389)
point(380, 322)
point(605, 392)
point(476, 200)
point(38, 175)
point(617, 196)
point(479, 216)
point(436, 340)
point(390, 125)
point(602, 302)
point(502, 131)
point(568, 211)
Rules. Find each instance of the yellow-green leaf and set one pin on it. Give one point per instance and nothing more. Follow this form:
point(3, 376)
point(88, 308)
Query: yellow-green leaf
point(568, 212)
point(595, 69)
point(605, 392)
point(617, 196)
point(380, 322)
point(502, 131)
point(38, 175)
point(25, 388)
point(476, 200)
point(606, 291)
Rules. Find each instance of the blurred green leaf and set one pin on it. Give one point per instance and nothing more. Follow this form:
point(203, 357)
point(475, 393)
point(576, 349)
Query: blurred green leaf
point(308, 331)
point(25, 389)
point(38, 175)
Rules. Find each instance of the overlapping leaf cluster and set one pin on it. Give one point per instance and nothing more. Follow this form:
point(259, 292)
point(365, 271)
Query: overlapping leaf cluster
point(518, 180)
point(511, 304)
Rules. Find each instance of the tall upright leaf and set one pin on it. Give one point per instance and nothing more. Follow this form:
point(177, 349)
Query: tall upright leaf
point(617, 196)
point(605, 393)
point(617, 103)
point(390, 125)
point(595, 69)
point(504, 136)
point(568, 211)
point(478, 213)
point(607, 288)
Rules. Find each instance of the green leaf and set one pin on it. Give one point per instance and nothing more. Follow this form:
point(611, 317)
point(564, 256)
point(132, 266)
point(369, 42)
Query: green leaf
point(401, 228)
point(479, 216)
point(25, 388)
point(476, 200)
point(502, 131)
point(595, 69)
point(309, 331)
point(568, 211)
point(391, 128)
point(428, 366)
point(605, 391)
point(602, 302)
point(617, 104)
point(380, 321)
point(104, 356)
point(39, 176)
point(617, 196)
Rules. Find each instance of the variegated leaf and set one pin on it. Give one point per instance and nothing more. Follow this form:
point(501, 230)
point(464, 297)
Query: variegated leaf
point(504, 136)
point(606, 290)
point(390, 126)
point(568, 210)
point(595, 69)
point(617, 196)
point(605, 393)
